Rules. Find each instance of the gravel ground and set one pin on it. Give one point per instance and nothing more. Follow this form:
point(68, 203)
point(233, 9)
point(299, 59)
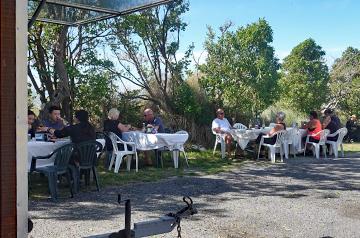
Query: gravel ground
point(302, 197)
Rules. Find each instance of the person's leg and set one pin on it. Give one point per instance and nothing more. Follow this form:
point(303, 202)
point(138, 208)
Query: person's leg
point(228, 142)
point(147, 159)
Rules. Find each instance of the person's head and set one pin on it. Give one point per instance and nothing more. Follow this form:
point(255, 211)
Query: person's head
point(54, 113)
point(353, 117)
point(31, 117)
point(313, 115)
point(280, 117)
point(220, 113)
point(81, 116)
point(328, 112)
point(148, 114)
point(113, 114)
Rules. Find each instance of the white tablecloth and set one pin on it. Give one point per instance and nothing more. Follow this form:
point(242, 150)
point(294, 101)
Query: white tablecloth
point(243, 137)
point(41, 148)
point(155, 141)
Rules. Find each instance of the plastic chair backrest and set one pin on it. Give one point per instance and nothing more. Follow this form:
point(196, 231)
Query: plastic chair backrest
point(342, 133)
point(323, 134)
point(280, 136)
point(87, 152)
point(63, 155)
point(114, 140)
point(239, 126)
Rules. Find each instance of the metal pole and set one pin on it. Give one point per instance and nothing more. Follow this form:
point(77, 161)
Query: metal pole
point(127, 219)
point(36, 13)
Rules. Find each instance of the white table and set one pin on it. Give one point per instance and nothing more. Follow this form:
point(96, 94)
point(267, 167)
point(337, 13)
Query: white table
point(143, 141)
point(41, 148)
point(243, 137)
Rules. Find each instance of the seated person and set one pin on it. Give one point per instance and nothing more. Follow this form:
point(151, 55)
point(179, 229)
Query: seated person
point(220, 125)
point(313, 127)
point(331, 124)
point(31, 123)
point(55, 121)
point(113, 124)
point(279, 126)
point(352, 126)
point(153, 122)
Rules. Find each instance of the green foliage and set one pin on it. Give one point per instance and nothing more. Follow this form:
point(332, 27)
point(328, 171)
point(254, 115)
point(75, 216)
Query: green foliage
point(241, 70)
point(269, 115)
point(345, 82)
point(305, 77)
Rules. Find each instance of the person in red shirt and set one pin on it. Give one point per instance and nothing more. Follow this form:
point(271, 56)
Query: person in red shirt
point(313, 127)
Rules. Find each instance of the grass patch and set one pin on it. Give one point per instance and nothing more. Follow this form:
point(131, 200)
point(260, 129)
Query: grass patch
point(200, 163)
point(352, 148)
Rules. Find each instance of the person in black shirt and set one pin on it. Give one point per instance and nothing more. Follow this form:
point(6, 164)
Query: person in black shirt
point(352, 126)
point(113, 124)
point(332, 123)
point(80, 132)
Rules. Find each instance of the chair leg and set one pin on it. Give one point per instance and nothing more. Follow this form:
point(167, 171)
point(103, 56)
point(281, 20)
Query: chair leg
point(324, 147)
point(52, 185)
point(272, 154)
point(112, 161)
point(317, 151)
point(118, 162)
point(342, 150)
point(216, 142)
point(186, 159)
point(96, 178)
point(305, 149)
point(136, 162)
point(335, 149)
point(68, 178)
point(259, 151)
point(281, 154)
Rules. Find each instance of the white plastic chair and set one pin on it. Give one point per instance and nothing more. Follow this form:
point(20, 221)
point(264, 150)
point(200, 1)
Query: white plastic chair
point(239, 126)
point(272, 148)
point(219, 140)
point(289, 139)
point(335, 144)
point(119, 154)
point(323, 134)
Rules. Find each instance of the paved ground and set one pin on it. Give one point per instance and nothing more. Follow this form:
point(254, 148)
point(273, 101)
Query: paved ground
point(301, 198)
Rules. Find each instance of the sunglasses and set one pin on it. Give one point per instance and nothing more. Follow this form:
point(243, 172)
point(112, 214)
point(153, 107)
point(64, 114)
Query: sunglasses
point(220, 113)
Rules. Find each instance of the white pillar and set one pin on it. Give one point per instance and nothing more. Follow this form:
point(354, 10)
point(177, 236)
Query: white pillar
point(21, 117)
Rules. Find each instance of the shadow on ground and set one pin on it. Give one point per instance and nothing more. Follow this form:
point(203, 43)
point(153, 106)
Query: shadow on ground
point(297, 177)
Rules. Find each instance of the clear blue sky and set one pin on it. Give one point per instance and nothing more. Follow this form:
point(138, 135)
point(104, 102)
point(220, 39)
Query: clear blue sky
point(333, 24)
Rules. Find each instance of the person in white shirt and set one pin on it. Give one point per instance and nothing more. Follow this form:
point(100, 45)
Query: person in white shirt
point(221, 125)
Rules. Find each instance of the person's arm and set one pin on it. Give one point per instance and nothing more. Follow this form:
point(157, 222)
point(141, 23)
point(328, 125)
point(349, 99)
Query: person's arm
point(65, 132)
point(326, 122)
point(124, 128)
point(215, 127)
point(275, 129)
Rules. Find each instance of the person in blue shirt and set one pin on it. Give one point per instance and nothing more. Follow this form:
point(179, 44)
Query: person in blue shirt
point(153, 122)
point(55, 121)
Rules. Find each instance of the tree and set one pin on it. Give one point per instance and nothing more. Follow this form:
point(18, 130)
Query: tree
point(55, 53)
point(146, 46)
point(240, 72)
point(345, 82)
point(305, 77)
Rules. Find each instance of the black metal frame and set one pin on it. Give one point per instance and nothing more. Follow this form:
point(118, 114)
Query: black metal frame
point(109, 13)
